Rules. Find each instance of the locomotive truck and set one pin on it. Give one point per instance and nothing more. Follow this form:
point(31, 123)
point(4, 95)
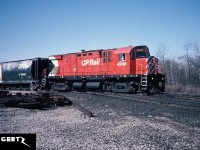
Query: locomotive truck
point(127, 69)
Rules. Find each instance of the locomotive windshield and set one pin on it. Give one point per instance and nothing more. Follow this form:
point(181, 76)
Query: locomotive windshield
point(142, 52)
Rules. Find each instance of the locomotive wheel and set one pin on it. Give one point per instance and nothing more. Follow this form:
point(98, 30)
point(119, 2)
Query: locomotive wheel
point(161, 86)
point(109, 88)
point(150, 90)
point(133, 90)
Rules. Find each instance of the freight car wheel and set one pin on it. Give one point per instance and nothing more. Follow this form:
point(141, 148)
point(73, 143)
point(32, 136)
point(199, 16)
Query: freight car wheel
point(34, 87)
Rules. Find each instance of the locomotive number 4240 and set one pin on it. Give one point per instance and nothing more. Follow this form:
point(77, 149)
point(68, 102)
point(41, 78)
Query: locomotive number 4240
point(121, 63)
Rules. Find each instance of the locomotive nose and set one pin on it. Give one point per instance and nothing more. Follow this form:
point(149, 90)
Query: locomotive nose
point(141, 66)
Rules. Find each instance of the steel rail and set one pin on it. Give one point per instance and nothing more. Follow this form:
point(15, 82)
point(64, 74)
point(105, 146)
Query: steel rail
point(156, 99)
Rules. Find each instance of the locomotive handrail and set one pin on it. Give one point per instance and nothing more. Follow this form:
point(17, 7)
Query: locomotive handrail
point(89, 73)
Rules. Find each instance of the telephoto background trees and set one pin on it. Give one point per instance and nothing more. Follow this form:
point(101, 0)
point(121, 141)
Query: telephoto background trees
point(182, 71)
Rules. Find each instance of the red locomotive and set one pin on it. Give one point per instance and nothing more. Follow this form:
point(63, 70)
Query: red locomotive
point(127, 69)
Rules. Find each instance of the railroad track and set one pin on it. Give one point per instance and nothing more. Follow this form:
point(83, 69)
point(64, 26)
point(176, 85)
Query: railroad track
point(183, 101)
point(165, 99)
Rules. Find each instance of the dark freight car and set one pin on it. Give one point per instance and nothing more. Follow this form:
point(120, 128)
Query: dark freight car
point(22, 73)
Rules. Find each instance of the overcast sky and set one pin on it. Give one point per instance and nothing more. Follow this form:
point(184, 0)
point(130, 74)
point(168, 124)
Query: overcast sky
point(39, 28)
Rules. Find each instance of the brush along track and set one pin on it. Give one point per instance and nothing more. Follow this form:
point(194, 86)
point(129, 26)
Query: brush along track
point(169, 100)
point(33, 100)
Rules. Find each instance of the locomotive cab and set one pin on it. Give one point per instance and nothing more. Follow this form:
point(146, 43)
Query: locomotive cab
point(150, 72)
point(138, 60)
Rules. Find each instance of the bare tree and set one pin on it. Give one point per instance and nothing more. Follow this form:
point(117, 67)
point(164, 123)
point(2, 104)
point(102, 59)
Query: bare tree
point(183, 72)
point(187, 48)
point(162, 52)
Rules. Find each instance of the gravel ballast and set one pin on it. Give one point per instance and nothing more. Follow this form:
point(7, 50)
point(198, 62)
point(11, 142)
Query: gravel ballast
point(118, 124)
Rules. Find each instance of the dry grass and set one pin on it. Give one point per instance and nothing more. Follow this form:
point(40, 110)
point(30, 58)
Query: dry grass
point(188, 89)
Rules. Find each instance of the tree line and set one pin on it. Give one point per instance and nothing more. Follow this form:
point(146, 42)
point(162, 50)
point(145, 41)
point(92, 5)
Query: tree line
point(182, 72)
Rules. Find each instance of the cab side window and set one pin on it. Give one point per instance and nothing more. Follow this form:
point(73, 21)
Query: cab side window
point(121, 57)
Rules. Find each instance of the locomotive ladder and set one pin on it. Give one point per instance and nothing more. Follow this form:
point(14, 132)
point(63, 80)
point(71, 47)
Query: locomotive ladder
point(144, 79)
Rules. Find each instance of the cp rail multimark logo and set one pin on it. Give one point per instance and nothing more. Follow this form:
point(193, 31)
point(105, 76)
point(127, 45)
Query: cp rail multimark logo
point(18, 141)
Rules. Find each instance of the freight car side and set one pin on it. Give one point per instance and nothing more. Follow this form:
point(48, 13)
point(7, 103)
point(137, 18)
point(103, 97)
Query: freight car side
point(22, 73)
